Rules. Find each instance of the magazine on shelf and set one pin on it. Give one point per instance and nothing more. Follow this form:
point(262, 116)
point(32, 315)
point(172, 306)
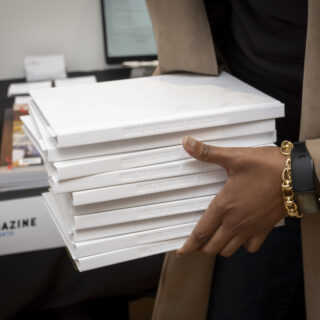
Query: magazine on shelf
point(24, 153)
point(6, 138)
point(16, 171)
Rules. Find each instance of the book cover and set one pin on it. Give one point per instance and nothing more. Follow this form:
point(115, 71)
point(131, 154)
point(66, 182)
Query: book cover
point(100, 112)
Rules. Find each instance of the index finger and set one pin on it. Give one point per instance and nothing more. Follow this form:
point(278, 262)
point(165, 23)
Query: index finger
point(205, 228)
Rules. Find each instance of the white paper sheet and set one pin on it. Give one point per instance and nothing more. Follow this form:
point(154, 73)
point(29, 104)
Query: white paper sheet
point(25, 87)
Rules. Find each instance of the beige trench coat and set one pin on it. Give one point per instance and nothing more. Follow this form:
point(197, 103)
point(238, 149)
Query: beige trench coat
point(185, 44)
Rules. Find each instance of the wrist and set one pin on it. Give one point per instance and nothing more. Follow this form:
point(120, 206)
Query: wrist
point(287, 188)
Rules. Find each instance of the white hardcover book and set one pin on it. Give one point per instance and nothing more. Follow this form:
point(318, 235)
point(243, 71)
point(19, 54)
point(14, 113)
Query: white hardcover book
point(141, 213)
point(157, 171)
point(117, 256)
point(33, 126)
point(147, 187)
point(64, 222)
point(125, 228)
point(91, 254)
point(97, 246)
point(129, 227)
point(70, 169)
point(127, 254)
point(132, 252)
point(101, 112)
point(64, 200)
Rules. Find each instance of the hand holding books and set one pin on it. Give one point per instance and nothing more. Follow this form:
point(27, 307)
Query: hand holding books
point(122, 187)
point(249, 205)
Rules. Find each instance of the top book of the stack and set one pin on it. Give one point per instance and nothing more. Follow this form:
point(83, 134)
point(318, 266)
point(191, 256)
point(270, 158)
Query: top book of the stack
point(126, 109)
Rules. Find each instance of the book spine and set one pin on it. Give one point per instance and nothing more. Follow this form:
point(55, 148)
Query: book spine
point(151, 142)
point(136, 226)
point(110, 258)
point(121, 162)
point(147, 187)
point(180, 194)
point(96, 165)
point(142, 213)
point(88, 248)
point(158, 171)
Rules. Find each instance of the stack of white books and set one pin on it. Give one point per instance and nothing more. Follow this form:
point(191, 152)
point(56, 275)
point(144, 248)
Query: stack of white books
point(122, 186)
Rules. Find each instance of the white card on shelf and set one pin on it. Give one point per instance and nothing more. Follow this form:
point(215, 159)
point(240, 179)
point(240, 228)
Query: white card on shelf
point(45, 67)
point(25, 87)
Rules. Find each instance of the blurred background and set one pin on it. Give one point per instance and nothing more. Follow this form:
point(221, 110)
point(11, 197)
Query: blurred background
point(57, 43)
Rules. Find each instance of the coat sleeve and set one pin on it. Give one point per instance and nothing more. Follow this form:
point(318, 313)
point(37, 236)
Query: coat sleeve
point(183, 36)
point(313, 146)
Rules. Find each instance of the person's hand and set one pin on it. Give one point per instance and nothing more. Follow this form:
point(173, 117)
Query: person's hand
point(247, 208)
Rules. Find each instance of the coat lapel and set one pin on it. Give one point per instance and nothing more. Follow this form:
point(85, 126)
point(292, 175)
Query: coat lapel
point(184, 288)
point(310, 128)
point(183, 36)
point(185, 43)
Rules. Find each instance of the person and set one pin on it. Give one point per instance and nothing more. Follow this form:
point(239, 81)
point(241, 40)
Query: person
point(262, 43)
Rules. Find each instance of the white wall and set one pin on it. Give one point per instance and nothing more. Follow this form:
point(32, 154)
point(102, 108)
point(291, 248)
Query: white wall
point(34, 27)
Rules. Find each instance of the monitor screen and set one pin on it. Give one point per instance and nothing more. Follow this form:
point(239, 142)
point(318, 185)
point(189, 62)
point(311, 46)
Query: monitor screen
point(128, 31)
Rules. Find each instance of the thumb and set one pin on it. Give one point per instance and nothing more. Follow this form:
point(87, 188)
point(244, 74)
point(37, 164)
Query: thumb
point(201, 151)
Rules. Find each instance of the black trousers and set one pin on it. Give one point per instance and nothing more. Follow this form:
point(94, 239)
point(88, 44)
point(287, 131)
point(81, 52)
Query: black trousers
point(266, 285)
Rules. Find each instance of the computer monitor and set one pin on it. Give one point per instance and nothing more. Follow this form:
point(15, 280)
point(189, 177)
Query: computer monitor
point(128, 32)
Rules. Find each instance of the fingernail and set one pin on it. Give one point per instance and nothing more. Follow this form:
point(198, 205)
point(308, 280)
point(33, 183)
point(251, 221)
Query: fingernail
point(191, 143)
